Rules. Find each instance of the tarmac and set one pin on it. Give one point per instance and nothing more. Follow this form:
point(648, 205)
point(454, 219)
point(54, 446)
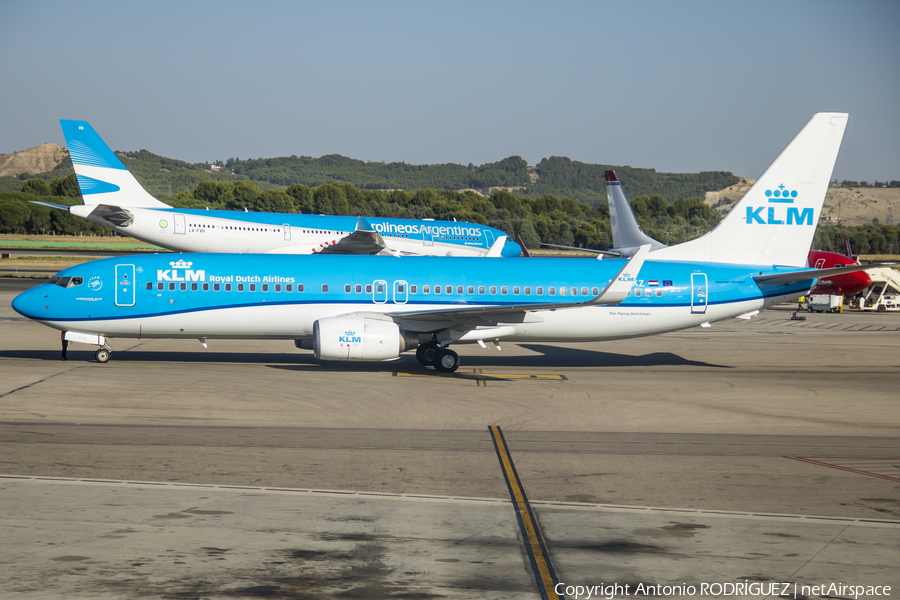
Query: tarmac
point(756, 452)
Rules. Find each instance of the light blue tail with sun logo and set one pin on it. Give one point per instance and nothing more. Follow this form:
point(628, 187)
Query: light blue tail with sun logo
point(774, 223)
point(102, 177)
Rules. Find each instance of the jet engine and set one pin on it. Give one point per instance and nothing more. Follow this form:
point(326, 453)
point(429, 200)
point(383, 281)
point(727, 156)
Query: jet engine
point(359, 338)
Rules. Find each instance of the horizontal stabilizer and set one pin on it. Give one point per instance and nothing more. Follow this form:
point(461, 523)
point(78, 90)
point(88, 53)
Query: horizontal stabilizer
point(795, 276)
point(51, 205)
point(591, 250)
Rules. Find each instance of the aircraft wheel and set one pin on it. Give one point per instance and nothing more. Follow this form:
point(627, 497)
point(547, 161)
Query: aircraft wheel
point(427, 354)
point(447, 361)
point(102, 355)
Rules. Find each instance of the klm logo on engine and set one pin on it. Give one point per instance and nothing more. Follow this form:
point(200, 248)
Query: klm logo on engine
point(350, 337)
point(186, 274)
point(776, 215)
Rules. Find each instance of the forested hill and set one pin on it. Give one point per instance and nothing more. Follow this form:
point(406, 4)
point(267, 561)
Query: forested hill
point(559, 176)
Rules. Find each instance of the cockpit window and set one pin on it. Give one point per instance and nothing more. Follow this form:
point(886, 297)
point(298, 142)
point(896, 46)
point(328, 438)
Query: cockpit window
point(65, 282)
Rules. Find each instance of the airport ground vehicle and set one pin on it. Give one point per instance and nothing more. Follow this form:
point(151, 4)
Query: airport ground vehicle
point(884, 293)
point(825, 302)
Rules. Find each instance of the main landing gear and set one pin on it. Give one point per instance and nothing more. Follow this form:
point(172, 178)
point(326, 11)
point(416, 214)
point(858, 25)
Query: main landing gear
point(443, 360)
point(102, 355)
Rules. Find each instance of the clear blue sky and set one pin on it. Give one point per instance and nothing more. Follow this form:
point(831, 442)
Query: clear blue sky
point(679, 86)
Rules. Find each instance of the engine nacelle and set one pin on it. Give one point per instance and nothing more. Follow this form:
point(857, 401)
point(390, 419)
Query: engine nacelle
point(358, 338)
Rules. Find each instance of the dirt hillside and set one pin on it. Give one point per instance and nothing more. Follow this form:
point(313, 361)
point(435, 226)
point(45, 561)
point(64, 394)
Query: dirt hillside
point(849, 206)
point(34, 160)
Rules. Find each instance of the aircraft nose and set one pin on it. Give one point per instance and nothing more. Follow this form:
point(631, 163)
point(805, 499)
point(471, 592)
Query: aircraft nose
point(28, 303)
point(511, 248)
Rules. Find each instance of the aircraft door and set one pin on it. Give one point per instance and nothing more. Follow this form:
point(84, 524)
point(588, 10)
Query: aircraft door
point(379, 291)
point(820, 264)
point(401, 293)
point(699, 293)
point(427, 235)
point(489, 238)
point(179, 224)
point(124, 285)
point(287, 232)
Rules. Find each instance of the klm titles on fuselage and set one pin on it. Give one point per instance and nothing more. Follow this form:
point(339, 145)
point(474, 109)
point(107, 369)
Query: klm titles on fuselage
point(791, 216)
point(181, 271)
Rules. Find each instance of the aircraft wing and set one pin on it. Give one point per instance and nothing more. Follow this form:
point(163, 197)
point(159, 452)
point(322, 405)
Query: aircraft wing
point(365, 240)
point(591, 250)
point(615, 292)
point(795, 276)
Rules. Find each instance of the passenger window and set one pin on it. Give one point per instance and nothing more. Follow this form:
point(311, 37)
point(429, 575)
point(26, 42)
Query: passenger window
point(459, 289)
point(277, 287)
point(595, 291)
point(437, 289)
point(449, 289)
point(527, 290)
point(149, 286)
point(252, 287)
point(638, 291)
point(300, 287)
point(516, 291)
point(575, 292)
point(553, 291)
point(649, 293)
point(426, 289)
point(400, 289)
point(481, 289)
point(503, 290)
point(584, 291)
point(288, 288)
point(659, 292)
point(358, 288)
point(240, 287)
point(347, 288)
point(171, 287)
point(182, 286)
point(193, 287)
point(227, 287)
point(324, 287)
point(540, 291)
point(160, 286)
point(216, 287)
point(413, 289)
point(369, 288)
point(562, 291)
point(205, 287)
point(265, 287)
point(493, 290)
point(379, 288)
point(471, 289)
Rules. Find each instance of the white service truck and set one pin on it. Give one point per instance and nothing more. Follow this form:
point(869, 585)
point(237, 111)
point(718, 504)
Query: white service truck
point(825, 302)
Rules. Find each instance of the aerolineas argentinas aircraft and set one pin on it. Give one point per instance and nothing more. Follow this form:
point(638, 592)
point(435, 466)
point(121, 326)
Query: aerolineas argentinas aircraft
point(114, 198)
point(366, 308)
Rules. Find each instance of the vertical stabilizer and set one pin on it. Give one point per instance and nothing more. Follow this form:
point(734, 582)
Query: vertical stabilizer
point(627, 234)
point(102, 177)
point(774, 223)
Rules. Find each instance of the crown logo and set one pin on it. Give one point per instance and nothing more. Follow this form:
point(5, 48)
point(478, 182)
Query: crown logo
point(349, 333)
point(781, 195)
point(180, 264)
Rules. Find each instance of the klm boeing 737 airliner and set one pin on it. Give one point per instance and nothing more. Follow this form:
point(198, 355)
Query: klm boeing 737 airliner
point(114, 198)
point(365, 308)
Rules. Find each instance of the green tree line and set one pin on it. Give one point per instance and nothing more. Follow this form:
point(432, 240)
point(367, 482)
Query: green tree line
point(548, 219)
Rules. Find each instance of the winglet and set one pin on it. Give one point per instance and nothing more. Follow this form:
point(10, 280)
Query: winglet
point(497, 247)
point(620, 287)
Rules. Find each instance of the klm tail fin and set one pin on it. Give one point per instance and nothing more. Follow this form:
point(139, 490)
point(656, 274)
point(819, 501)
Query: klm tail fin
point(774, 223)
point(627, 234)
point(102, 177)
